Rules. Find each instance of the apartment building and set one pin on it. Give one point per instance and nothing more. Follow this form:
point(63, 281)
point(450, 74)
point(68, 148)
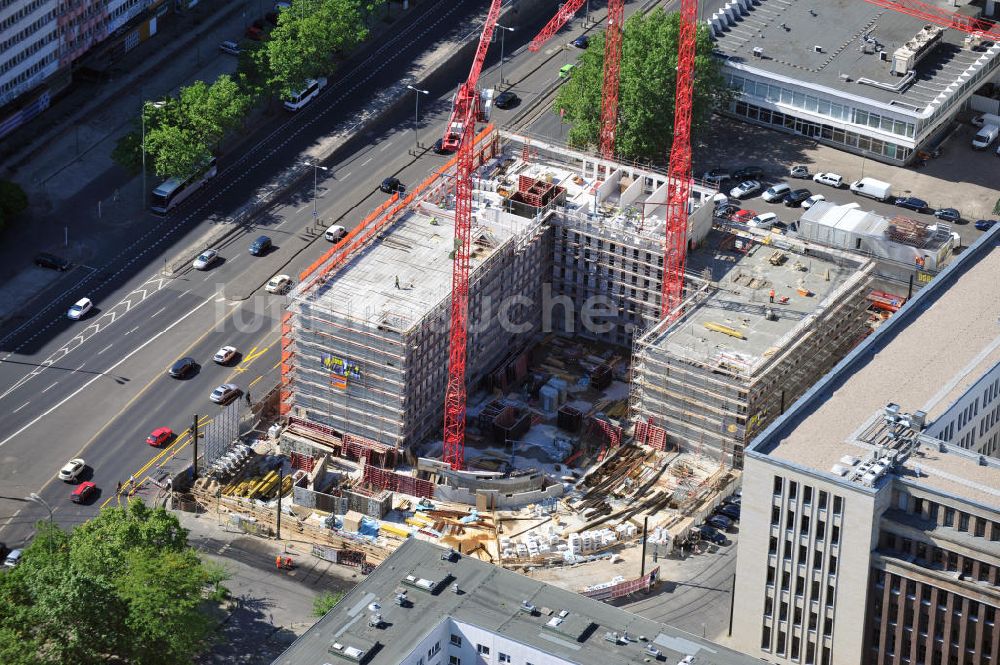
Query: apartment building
point(871, 525)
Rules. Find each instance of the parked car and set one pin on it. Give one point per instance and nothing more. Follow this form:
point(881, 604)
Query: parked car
point(986, 224)
point(583, 41)
point(776, 192)
point(726, 210)
point(51, 261)
point(796, 197)
point(206, 259)
point(979, 120)
point(260, 246)
point(779, 226)
point(13, 558)
point(720, 522)
point(392, 184)
point(160, 436)
point(734, 498)
point(813, 200)
point(730, 510)
point(255, 33)
point(799, 171)
point(80, 309)
point(743, 216)
point(335, 233)
point(230, 47)
point(765, 220)
point(831, 179)
point(506, 100)
point(225, 393)
point(72, 469)
point(83, 492)
point(712, 536)
point(911, 203)
point(566, 70)
point(183, 367)
point(748, 173)
point(746, 189)
point(439, 148)
point(948, 214)
point(278, 284)
point(224, 355)
point(716, 176)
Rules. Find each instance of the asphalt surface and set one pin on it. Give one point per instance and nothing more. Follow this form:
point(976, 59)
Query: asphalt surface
point(96, 388)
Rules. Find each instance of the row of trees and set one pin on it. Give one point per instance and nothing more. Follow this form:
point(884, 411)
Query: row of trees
point(647, 87)
point(182, 132)
point(122, 587)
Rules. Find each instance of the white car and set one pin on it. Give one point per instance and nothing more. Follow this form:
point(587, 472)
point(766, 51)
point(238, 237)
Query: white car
point(206, 259)
point(335, 233)
point(72, 470)
point(745, 189)
point(765, 220)
point(225, 393)
point(79, 309)
point(813, 200)
point(224, 355)
point(776, 192)
point(278, 284)
point(831, 179)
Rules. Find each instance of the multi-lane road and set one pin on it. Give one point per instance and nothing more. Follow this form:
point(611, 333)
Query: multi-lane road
point(95, 388)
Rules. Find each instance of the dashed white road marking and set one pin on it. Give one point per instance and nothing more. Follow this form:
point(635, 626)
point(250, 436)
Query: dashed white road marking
point(54, 384)
point(21, 407)
point(105, 349)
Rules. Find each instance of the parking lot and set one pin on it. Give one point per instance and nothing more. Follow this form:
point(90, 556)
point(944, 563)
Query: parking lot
point(961, 177)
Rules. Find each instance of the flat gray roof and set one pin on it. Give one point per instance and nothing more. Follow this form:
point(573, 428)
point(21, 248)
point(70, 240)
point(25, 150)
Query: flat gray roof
point(490, 598)
point(788, 32)
point(922, 358)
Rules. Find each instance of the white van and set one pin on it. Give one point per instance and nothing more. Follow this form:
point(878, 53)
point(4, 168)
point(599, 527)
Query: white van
point(776, 193)
point(876, 189)
point(335, 233)
point(302, 97)
point(986, 136)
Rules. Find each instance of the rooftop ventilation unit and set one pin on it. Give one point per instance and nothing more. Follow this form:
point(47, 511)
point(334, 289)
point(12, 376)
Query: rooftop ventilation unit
point(758, 52)
point(818, 48)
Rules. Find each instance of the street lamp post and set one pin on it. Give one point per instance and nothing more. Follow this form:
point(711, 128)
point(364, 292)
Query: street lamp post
point(142, 194)
point(34, 498)
point(316, 168)
point(505, 30)
point(416, 112)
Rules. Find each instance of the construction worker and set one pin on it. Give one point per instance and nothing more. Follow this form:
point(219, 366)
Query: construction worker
point(131, 480)
point(277, 562)
point(771, 294)
point(397, 281)
point(119, 490)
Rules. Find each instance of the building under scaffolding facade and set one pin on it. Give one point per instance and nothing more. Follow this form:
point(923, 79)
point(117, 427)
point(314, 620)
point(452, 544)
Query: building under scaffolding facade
point(365, 338)
point(760, 324)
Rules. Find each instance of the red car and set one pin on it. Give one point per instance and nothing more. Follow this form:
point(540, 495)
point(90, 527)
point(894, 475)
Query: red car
point(743, 216)
point(255, 33)
point(159, 436)
point(83, 492)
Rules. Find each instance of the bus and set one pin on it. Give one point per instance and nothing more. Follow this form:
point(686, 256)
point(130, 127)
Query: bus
point(174, 190)
point(302, 97)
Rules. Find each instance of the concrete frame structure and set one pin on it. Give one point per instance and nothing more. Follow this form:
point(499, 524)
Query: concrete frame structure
point(428, 606)
point(823, 69)
point(866, 538)
point(365, 347)
point(708, 381)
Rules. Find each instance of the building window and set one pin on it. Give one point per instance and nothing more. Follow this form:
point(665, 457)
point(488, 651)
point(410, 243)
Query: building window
point(765, 639)
point(454, 660)
point(433, 650)
point(483, 649)
point(456, 640)
point(778, 482)
point(502, 657)
point(838, 505)
point(807, 495)
point(792, 489)
point(833, 564)
point(822, 500)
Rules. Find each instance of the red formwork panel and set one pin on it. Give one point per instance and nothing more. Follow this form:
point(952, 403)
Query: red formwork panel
point(387, 479)
point(625, 588)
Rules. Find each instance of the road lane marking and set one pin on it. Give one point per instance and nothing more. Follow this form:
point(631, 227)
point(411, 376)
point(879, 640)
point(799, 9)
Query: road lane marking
point(159, 311)
point(105, 349)
point(51, 387)
point(132, 331)
point(79, 368)
point(345, 176)
point(184, 294)
point(254, 354)
point(367, 161)
point(21, 407)
point(389, 143)
point(107, 371)
point(250, 385)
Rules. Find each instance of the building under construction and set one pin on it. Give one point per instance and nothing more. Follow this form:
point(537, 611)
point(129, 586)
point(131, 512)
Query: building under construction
point(562, 242)
point(764, 318)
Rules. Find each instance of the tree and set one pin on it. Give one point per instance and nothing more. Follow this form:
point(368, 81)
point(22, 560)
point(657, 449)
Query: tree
point(13, 200)
point(647, 86)
point(127, 152)
point(176, 151)
point(123, 587)
point(210, 111)
point(325, 602)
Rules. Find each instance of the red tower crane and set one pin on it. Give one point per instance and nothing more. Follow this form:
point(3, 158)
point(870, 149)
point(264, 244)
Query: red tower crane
point(942, 17)
point(459, 134)
point(679, 171)
point(612, 59)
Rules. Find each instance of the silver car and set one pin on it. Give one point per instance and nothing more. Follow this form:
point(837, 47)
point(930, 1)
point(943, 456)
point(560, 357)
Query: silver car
point(206, 259)
point(225, 393)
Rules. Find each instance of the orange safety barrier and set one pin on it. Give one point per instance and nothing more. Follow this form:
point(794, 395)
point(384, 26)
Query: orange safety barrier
point(285, 317)
point(285, 355)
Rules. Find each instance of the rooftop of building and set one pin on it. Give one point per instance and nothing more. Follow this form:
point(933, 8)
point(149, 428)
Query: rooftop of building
point(401, 276)
point(490, 598)
point(803, 284)
point(851, 35)
point(922, 359)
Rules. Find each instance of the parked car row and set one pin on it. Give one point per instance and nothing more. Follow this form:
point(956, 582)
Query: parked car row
point(724, 518)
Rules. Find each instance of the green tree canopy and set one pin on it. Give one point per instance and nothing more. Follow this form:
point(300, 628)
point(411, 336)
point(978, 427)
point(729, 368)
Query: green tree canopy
point(13, 200)
point(123, 587)
point(647, 85)
point(176, 151)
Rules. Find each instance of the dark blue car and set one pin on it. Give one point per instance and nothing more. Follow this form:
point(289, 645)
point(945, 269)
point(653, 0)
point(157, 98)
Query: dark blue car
point(260, 246)
point(948, 214)
point(712, 536)
point(583, 41)
point(912, 203)
point(986, 224)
